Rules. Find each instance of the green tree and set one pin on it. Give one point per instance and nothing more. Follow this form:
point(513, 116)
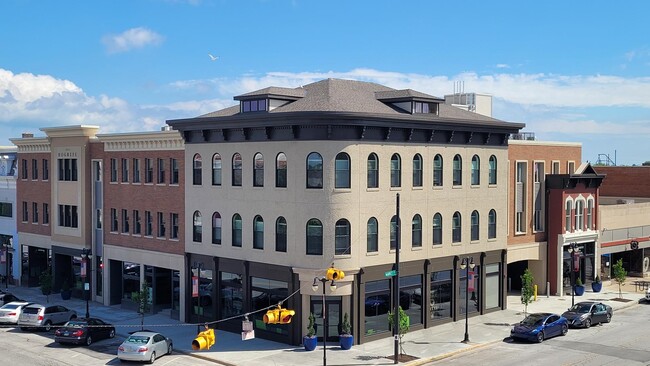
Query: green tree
point(141, 298)
point(311, 331)
point(45, 280)
point(404, 323)
point(619, 275)
point(527, 289)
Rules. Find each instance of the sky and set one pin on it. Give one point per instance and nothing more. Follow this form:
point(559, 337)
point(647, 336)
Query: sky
point(574, 71)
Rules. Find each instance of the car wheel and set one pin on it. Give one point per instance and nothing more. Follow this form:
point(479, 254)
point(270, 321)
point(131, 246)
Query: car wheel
point(587, 323)
point(152, 358)
point(111, 334)
point(565, 329)
point(608, 318)
point(540, 337)
point(47, 326)
point(170, 349)
point(89, 340)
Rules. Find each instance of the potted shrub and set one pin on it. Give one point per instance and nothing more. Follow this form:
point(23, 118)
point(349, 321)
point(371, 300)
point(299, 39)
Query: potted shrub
point(346, 340)
point(597, 285)
point(579, 287)
point(310, 340)
point(66, 292)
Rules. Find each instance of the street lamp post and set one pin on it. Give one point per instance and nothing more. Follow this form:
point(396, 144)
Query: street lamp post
point(573, 251)
point(467, 263)
point(314, 287)
point(85, 252)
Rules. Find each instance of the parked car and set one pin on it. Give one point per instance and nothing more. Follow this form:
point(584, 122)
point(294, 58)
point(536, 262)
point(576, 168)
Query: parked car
point(7, 297)
point(43, 317)
point(84, 331)
point(586, 313)
point(9, 313)
point(144, 346)
point(647, 294)
point(539, 326)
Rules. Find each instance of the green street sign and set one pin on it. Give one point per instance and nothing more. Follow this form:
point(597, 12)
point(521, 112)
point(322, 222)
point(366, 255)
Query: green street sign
point(390, 273)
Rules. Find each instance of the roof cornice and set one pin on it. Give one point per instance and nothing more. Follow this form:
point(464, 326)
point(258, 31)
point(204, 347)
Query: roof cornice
point(139, 141)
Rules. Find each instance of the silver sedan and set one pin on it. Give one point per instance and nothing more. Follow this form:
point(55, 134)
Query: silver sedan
point(144, 346)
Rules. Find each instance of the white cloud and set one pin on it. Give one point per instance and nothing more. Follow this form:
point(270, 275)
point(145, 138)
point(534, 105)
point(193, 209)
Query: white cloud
point(503, 66)
point(131, 39)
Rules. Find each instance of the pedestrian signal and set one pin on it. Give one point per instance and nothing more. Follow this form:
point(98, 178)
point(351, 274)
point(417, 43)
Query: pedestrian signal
point(334, 274)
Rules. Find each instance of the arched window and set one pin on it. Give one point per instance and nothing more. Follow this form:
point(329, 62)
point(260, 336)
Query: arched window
point(258, 232)
point(342, 237)
point(216, 228)
point(437, 171)
point(580, 210)
point(456, 227)
point(393, 233)
point(342, 171)
point(476, 170)
point(281, 171)
point(437, 229)
point(416, 231)
point(493, 170)
point(417, 170)
point(492, 224)
point(475, 225)
point(236, 170)
point(590, 214)
point(281, 234)
point(372, 245)
point(458, 171)
point(314, 170)
point(395, 171)
point(236, 230)
point(373, 171)
point(216, 170)
point(567, 216)
point(314, 237)
point(258, 170)
point(196, 170)
point(197, 227)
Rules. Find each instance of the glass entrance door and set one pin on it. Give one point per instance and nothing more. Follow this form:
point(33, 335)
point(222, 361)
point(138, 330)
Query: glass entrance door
point(334, 317)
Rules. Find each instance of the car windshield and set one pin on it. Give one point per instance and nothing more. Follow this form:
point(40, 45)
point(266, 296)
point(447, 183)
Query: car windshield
point(138, 339)
point(75, 324)
point(533, 320)
point(581, 308)
point(10, 306)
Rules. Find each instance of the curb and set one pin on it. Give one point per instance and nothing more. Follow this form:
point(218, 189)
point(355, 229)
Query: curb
point(443, 356)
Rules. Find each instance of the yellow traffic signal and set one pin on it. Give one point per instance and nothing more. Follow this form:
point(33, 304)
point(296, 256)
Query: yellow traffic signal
point(286, 316)
point(334, 274)
point(272, 316)
point(203, 340)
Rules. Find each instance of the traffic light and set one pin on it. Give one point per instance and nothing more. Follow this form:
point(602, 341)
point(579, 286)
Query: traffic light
point(334, 274)
point(286, 316)
point(279, 316)
point(203, 340)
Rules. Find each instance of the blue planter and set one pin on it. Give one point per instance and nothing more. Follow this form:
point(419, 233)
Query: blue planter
point(66, 294)
point(346, 341)
point(579, 290)
point(309, 343)
point(596, 286)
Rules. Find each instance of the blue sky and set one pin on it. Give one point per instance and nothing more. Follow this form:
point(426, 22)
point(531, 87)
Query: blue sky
point(570, 70)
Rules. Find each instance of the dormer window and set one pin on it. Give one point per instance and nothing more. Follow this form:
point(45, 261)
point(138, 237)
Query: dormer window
point(422, 107)
point(254, 105)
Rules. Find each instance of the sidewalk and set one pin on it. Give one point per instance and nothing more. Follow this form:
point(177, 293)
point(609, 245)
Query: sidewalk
point(427, 344)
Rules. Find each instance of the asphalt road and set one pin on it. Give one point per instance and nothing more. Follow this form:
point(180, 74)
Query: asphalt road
point(624, 341)
point(39, 349)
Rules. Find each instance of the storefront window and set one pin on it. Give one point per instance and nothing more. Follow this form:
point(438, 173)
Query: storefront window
point(377, 305)
point(265, 293)
point(176, 285)
point(231, 295)
point(130, 279)
point(204, 307)
point(492, 292)
point(410, 297)
point(78, 281)
point(474, 289)
point(440, 306)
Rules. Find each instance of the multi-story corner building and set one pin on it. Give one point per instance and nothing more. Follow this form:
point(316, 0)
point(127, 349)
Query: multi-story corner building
point(292, 181)
point(107, 217)
point(9, 260)
point(553, 204)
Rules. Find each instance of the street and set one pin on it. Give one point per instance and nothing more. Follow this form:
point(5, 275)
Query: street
point(621, 342)
point(39, 349)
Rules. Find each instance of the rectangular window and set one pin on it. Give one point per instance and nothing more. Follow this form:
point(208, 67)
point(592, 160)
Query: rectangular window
point(136, 170)
point(114, 220)
point(68, 169)
point(173, 164)
point(571, 167)
point(113, 170)
point(492, 286)
point(556, 167)
point(148, 170)
point(520, 198)
point(34, 212)
point(161, 225)
point(68, 216)
point(161, 171)
point(441, 293)
point(25, 212)
point(46, 169)
point(538, 196)
point(6, 209)
point(46, 213)
point(125, 221)
point(173, 218)
point(377, 305)
point(34, 169)
point(137, 227)
point(125, 170)
point(98, 218)
point(148, 223)
point(23, 169)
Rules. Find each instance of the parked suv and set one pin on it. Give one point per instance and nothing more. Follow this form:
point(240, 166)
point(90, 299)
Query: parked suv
point(43, 317)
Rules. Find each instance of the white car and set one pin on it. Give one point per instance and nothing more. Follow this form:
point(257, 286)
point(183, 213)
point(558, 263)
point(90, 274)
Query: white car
point(647, 294)
point(9, 313)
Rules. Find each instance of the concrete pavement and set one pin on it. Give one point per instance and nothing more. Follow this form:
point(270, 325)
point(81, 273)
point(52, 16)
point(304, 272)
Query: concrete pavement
point(427, 345)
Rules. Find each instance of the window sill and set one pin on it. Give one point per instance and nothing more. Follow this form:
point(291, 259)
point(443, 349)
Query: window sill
point(492, 240)
point(475, 186)
point(457, 186)
point(418, 188)
point(343, 256)
point(343, 190)
point(416, 249)
point(492, 185)
point(439, 188)
point(373, 189)
point(161, 238)
point(372, 254)
point(395, 188)
point(474, 241)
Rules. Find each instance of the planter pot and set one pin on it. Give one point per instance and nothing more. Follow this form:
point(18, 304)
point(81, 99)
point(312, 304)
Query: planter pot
point(346, 341)
point(309, 343)
point(65, 295)
point(580, 290)
point(596, 286)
